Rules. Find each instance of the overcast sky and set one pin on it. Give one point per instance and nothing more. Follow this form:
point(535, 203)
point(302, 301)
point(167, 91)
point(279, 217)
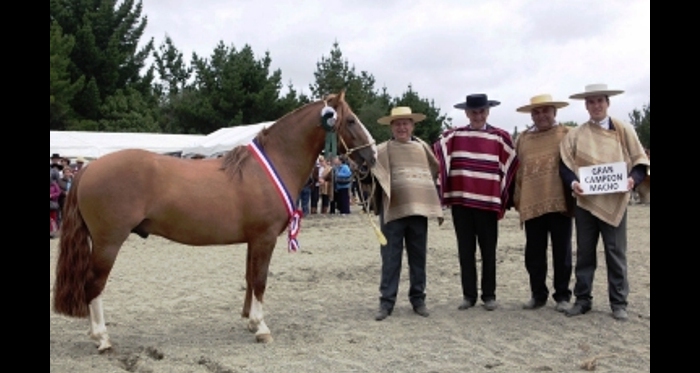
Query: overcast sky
point(445, 49)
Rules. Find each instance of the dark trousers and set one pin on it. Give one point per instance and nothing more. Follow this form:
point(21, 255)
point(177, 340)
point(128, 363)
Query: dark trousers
point(303, 201)
point(588, 229)
point(413, 231)
point(315, 196)
point(472, 226)
point(537, 233)
point(342, 197)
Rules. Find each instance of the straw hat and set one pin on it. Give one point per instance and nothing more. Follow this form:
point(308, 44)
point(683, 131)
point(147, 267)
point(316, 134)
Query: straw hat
point(596, 90)
point(401, 112)
point(80, 159)
point(541, 100)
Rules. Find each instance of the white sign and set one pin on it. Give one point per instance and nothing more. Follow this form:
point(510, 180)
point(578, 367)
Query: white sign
point(603, 178)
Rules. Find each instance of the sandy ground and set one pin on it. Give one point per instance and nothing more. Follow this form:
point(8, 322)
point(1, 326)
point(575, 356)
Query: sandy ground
point(175, 308)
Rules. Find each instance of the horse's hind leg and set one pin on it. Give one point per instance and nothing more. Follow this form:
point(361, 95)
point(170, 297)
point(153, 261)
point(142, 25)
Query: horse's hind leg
point(98, 327)
point(103, 257)
point(259, 254)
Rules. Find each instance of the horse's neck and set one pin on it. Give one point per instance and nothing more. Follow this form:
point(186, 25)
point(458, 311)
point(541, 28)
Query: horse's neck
point(293, 146)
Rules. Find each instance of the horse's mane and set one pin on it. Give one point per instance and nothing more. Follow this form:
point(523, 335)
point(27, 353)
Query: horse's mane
point(233, 161)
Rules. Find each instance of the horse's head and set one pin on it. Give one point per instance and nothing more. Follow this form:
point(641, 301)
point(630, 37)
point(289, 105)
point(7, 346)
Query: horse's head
point(353, 138)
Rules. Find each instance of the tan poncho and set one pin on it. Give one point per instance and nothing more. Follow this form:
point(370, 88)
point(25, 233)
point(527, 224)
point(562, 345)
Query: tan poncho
point(588, 145)
point(408, 185)
point(538, 187)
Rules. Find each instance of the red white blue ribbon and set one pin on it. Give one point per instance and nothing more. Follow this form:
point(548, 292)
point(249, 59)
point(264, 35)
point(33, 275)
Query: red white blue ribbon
point(295, 214)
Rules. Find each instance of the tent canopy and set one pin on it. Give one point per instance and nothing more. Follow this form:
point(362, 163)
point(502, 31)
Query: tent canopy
point(224, 139)
point(87, 144)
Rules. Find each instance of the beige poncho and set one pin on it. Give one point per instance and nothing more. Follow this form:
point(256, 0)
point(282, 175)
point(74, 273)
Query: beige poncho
point(538, 187)
point(407, 186)
point(588, 145)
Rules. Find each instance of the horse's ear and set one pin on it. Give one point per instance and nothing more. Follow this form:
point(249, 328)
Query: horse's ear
point(341, 96)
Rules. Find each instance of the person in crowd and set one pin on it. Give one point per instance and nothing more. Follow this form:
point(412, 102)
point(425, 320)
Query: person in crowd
point(325, 185)
point(343, 182)
point(54, 193)
point(315, 190)
point(304, 200)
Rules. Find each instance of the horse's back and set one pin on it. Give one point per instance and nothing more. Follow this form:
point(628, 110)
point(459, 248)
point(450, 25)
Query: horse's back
point(188, 201)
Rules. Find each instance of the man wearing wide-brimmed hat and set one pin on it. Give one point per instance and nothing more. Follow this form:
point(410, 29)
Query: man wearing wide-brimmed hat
point(477, 168)
point(601, 140)
point(544, 206)
point(406, 197)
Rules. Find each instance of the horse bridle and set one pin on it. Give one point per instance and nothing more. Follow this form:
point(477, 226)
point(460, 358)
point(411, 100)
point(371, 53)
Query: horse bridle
point(330, 123)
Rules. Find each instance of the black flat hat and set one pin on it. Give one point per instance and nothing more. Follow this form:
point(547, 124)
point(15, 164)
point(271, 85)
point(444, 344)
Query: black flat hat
point(477, 101)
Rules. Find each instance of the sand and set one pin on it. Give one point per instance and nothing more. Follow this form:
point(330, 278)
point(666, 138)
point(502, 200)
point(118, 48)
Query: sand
point(175, 308)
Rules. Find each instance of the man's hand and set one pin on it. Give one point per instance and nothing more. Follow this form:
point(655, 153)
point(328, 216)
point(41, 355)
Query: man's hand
point(576, 187)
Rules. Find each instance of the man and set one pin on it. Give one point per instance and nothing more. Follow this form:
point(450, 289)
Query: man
point(405, 198)
point(601, 140)
point(79, 164)
point(543, 204)
point(477, 167)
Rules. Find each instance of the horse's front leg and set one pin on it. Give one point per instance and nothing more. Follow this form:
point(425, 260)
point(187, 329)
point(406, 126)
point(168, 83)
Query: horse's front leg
point(98, 327)
point(259, 254)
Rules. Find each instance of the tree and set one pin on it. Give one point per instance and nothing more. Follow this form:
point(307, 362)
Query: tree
point(61, 89)
point(641, 120)
point(173, 72)
point(334, 74)
point(231, 88)
point(570, 124)
point(105, 54)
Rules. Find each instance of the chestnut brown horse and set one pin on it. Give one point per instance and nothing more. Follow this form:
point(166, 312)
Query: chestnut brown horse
point(195, 202)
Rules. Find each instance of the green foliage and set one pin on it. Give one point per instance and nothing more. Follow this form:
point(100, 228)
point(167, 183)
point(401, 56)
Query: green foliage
point(104, 59)
point(334, 74)
point(127, 111)
point(641, 120)
point(233, 88)
point(61, 89)
point(570, 124)
point(515, 134)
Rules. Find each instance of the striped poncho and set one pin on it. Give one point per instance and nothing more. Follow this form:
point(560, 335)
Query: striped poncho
point(477, 168)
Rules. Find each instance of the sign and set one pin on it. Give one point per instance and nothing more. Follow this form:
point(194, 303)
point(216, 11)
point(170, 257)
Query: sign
point(603, 178)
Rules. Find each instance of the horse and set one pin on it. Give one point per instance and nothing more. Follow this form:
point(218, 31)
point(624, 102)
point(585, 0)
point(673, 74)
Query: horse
point(214, 201)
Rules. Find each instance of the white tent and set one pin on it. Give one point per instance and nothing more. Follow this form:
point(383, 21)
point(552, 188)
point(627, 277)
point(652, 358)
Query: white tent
point(224, 139)
point(88, 144)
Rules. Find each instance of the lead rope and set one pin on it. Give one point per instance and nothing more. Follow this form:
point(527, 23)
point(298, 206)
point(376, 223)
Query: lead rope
point(378, 232)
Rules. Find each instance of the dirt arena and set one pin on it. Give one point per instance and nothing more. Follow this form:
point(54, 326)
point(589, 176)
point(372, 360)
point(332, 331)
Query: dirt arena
point(175, 308)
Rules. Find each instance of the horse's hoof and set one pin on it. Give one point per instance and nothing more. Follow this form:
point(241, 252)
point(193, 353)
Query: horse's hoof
point(263, 338)
point(104, 346)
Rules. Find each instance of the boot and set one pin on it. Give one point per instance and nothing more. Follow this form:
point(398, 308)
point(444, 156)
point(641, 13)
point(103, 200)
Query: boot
point(314, 210)
point(324, 210)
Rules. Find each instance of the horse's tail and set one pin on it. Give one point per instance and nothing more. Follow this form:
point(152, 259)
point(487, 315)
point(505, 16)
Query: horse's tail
point(73, 266)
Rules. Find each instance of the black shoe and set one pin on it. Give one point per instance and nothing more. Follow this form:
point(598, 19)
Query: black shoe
point(533, 304)
point(620, 314)
point(490, 304)
point(421, 310)
point(466, 304)
point(577, 309)
point(382, 314)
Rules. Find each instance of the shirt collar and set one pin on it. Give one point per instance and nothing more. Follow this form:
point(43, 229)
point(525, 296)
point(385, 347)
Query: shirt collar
point(605, 123)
